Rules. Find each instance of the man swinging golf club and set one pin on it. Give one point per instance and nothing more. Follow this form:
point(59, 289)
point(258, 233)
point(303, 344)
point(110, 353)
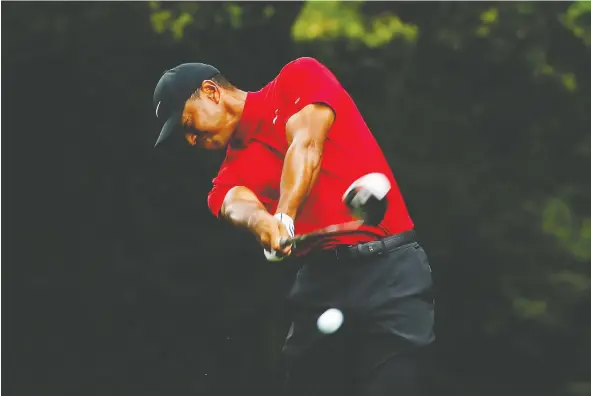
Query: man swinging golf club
point(300, 157)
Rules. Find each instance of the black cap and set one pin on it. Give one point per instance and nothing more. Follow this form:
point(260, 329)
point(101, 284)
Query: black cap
point(172, 91)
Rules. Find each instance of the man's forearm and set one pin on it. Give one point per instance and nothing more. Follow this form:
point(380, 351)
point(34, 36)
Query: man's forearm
point(300, 171)
point(241, 207)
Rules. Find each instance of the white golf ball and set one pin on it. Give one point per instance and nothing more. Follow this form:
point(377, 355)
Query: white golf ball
point(330, 321)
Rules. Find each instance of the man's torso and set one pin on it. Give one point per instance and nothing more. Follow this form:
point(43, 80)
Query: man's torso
point(350, 151)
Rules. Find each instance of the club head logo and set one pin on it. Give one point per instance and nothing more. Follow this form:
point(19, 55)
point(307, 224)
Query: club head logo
point(158, 107)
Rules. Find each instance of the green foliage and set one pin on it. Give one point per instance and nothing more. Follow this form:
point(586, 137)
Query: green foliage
point(489, 16)
point(577, 19)
point(166, 20)
point(559, 221)
point(530, 309)
point(335, 19)
point(235, 13)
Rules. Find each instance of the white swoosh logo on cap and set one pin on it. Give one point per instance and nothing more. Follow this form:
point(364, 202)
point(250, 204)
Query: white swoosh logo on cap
point(157, 107)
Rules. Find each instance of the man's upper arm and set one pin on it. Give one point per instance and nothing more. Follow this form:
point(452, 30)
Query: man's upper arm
point(310, 125)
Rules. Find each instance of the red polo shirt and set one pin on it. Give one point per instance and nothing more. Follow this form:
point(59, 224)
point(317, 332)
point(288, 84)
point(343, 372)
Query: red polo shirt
point(254, 158)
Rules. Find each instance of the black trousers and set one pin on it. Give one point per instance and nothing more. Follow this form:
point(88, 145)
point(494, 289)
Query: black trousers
point(381, 347)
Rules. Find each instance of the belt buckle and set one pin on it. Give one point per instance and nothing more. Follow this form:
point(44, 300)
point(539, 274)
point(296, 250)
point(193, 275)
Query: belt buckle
point(376, 247)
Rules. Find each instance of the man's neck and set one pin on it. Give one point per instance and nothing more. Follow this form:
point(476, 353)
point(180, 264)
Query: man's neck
point(236, 101)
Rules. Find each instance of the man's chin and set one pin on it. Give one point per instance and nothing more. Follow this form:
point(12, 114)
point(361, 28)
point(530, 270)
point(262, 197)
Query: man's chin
point(213, 145)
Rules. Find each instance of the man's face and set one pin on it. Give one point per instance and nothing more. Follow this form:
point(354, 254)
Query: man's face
point(205, 119)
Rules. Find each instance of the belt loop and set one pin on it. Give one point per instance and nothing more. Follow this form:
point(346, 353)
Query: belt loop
point(384, 247)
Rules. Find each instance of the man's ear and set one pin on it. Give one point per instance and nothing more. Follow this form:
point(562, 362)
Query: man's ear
point(191, 138)
point(211, 90)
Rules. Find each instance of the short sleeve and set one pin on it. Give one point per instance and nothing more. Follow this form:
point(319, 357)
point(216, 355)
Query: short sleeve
point(306, 81)
point(222, 183)
point(254, 167)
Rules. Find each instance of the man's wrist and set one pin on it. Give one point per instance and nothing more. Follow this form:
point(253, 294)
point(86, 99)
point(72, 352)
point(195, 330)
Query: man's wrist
point(291, 212)
point(287, 221)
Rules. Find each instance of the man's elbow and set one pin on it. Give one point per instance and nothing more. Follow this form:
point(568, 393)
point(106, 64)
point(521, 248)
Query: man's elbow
point(231, 197)
point(236, 196)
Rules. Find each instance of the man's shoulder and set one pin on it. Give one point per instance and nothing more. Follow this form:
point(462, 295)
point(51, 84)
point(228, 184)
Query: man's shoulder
point(302, 63)
point(302, 72)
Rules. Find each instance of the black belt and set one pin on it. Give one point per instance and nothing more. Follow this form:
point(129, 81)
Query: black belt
point(367, 249)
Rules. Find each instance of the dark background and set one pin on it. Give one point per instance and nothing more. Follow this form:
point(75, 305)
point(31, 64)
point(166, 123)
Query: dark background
point(118, 281)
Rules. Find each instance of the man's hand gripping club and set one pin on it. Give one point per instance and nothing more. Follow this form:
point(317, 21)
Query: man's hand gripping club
point(271, 234)
point(242, 208)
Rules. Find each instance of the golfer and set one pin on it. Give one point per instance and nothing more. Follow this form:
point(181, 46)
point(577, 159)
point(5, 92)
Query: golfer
point(292, 149)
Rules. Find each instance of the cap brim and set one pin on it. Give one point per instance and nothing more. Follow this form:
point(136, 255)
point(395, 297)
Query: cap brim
point(169, 127)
